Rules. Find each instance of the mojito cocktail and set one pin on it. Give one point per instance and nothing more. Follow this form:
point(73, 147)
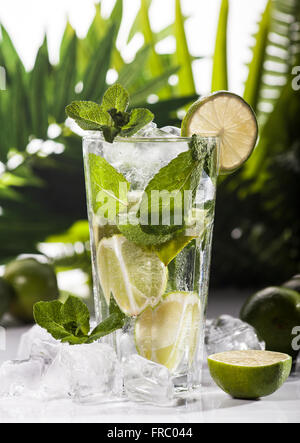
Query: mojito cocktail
point(151, 211)
point(151, 202)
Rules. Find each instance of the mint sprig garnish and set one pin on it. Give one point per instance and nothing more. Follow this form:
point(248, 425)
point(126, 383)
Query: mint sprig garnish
point(112, 116)
point(70, 322)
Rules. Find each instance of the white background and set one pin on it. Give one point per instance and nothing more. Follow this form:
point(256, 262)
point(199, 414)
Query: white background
point(27, 20)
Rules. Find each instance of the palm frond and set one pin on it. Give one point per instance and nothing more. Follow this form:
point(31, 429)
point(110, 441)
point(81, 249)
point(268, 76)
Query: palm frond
point(186, 85)
point(220, 67)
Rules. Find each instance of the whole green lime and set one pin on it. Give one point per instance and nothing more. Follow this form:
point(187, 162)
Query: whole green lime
point(249, 374)
point(274, 312)
point(6, 296)
point(293, 283)
point(32, 282)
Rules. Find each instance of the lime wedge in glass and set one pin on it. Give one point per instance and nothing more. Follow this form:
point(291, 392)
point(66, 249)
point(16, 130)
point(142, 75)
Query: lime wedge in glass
point(166, 333)
point(133, 275)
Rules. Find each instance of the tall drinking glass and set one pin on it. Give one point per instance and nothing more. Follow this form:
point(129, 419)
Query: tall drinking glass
point(151, 205)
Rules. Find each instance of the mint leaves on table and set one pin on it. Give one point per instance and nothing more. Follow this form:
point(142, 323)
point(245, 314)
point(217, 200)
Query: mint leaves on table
point(70, 322)
point(111, 117)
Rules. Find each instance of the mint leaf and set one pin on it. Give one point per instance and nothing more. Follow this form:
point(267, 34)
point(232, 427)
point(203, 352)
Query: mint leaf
point(76, 316)
point(108, 326)
point(88, 115)
point(180, 175)
point(116, 97)
point(111, 117)
point(70, 322)
point(109, 188)
point(135, 234)
point(138, 119)
point(115, 321)
point(110, 133)
point(120, 119)
point(49, 316)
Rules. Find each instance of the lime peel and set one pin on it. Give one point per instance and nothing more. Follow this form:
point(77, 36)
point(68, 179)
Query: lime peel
point(229, 117)
point(250, 374)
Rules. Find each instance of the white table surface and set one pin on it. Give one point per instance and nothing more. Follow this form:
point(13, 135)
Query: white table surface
point(212, 406)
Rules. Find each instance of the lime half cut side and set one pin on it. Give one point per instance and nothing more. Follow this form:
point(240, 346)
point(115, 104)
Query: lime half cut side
point(250, 374)
point(133, 275)
point(229, 117)
point(168, 334)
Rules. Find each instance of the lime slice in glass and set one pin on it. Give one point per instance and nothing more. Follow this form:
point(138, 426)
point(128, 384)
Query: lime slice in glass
point(133, 275)
point(165, 334)
point(228, 116)
point(250, 374)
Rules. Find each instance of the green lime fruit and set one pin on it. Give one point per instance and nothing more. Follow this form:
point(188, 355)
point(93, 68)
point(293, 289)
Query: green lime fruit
point(293, 284)
point(32, 282)
point(229, 117)
point(6, 296)
point(274, 312)
point(134, 275)
point(170, 331)
point(250, 374)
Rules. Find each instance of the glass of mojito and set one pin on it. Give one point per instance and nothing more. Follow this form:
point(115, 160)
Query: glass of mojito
point(151, 207)
point(151, 202)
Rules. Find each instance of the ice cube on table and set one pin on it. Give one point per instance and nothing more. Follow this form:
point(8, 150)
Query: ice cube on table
point(82, 372)
point(147, 381)
point(36, 337)
point(227, 333)
point(19, 377)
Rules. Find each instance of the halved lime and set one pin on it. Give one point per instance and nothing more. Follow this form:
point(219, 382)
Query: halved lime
point(168, 334)
point(228, 116)
point(250, 374)
point(133, 275)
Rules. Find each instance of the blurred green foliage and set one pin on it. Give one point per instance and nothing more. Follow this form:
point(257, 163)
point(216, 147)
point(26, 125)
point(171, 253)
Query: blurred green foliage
point(257, 221)
point(42, 194)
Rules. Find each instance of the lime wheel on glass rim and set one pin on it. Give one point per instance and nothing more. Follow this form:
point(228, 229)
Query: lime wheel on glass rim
point(229, 117)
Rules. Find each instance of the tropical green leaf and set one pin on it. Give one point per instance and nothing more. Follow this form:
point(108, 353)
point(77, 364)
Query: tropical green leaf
point(220, 67)
point(131, 72)
point(67, 37)
point(152, 87)
point(186, 85)
point(155, 65)
point(9, 58)
point(37, 93)
point(65, 80)
point(256, 68)
point(95, 78)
